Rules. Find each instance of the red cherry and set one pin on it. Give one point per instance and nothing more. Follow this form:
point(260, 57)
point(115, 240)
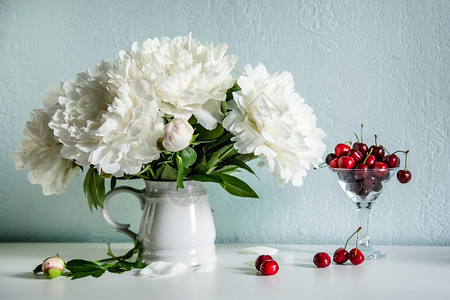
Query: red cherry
point(361, 171)
point(340, 256)
point(322, 260)
point(329, 158)
point(334, 163)
point(341, 150)
point(361, 147)
point(356, 154)
point(369, 160)
point(392, 160)
point(380, 169)
point(269, 267)
point(346, 162)
point(377, 151)
point(261, 259)
point(355, 256)
point(404, 176)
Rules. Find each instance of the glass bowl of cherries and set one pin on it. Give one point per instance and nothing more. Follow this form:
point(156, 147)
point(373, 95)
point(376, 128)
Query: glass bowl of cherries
point(362, 172)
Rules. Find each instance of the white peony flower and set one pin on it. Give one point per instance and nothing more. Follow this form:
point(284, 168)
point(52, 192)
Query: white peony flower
point(177, 135)
point(189, 77)
point(109, 120)
point(40, 151)
point(271, 120)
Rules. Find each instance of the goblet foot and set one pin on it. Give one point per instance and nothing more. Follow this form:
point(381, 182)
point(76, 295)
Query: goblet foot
point(370, 253)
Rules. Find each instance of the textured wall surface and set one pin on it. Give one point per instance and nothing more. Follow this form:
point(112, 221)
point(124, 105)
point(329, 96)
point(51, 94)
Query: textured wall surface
point(382, 63)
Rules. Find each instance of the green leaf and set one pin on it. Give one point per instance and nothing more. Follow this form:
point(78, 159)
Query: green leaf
point(80, 268)
point(201, 166)
point(230, 91)
point(237, 187)
point(223, 107)
point(206, 178)
point(38, 269)
point(209, 135)
point(217, 156)
point(94, 189)
point(113, 183)
point(226, 169)
point(189, 156)
point(241, 164)
point(120, 267)
point(168, 173)
point(139, 265)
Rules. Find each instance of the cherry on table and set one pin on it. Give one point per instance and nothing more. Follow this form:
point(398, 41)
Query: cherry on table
point(259, 261)
point(322, 260)
point(355, 256)
point(269, 267)
point(340, 256)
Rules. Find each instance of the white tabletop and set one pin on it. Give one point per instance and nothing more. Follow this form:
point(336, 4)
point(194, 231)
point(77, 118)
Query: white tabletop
point(406, 273)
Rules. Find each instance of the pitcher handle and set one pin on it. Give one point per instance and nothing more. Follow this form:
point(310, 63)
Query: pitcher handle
point(119, 227)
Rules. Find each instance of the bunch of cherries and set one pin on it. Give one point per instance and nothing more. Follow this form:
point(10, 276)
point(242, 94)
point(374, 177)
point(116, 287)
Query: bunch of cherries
point(341, 255)
point(370, 165)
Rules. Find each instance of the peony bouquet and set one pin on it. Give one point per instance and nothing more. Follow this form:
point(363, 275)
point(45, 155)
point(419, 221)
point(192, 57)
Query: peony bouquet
point(169, 110)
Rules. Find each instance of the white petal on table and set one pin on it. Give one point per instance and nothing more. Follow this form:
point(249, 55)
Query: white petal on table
point(162, 269)
point(259, 250)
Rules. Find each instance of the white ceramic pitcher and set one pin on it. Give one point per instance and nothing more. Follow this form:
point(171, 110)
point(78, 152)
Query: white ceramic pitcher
point(176, 224)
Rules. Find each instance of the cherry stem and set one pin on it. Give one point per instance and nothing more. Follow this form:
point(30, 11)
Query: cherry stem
point(370, 152)
point(399, 151)
point(362, 133)
point(406, 159)
point(376, 140)
point(357, 138)
point(357, 231)
point(357, 240)
point(386, 150)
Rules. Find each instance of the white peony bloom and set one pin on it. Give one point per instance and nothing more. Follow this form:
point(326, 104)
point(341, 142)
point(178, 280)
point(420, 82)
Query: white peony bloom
point(109, 120)
point(271, 120)
point(40, 151)
point(189, 77)
point(177, 135)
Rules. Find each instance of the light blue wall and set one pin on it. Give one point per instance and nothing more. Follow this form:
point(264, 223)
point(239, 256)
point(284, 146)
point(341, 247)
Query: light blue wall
point(381, 63)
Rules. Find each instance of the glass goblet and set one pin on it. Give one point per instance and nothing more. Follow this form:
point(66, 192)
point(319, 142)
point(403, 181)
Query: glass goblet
point(363, 187)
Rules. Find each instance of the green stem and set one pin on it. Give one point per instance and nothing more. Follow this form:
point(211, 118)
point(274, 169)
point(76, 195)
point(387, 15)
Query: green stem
point(357, 240)
point(406, 159)
point(225, 154)
point(362, 133)
point(370, 152)
point(357, 231)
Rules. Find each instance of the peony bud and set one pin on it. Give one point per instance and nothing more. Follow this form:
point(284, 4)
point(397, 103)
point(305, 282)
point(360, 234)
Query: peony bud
point(177, 135)
point(53, 267)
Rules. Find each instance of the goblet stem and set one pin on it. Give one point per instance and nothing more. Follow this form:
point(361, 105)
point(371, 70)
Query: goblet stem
point(364, 216)
point(364, 209)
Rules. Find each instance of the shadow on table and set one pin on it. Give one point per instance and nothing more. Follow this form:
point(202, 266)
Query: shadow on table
point(28, 275)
